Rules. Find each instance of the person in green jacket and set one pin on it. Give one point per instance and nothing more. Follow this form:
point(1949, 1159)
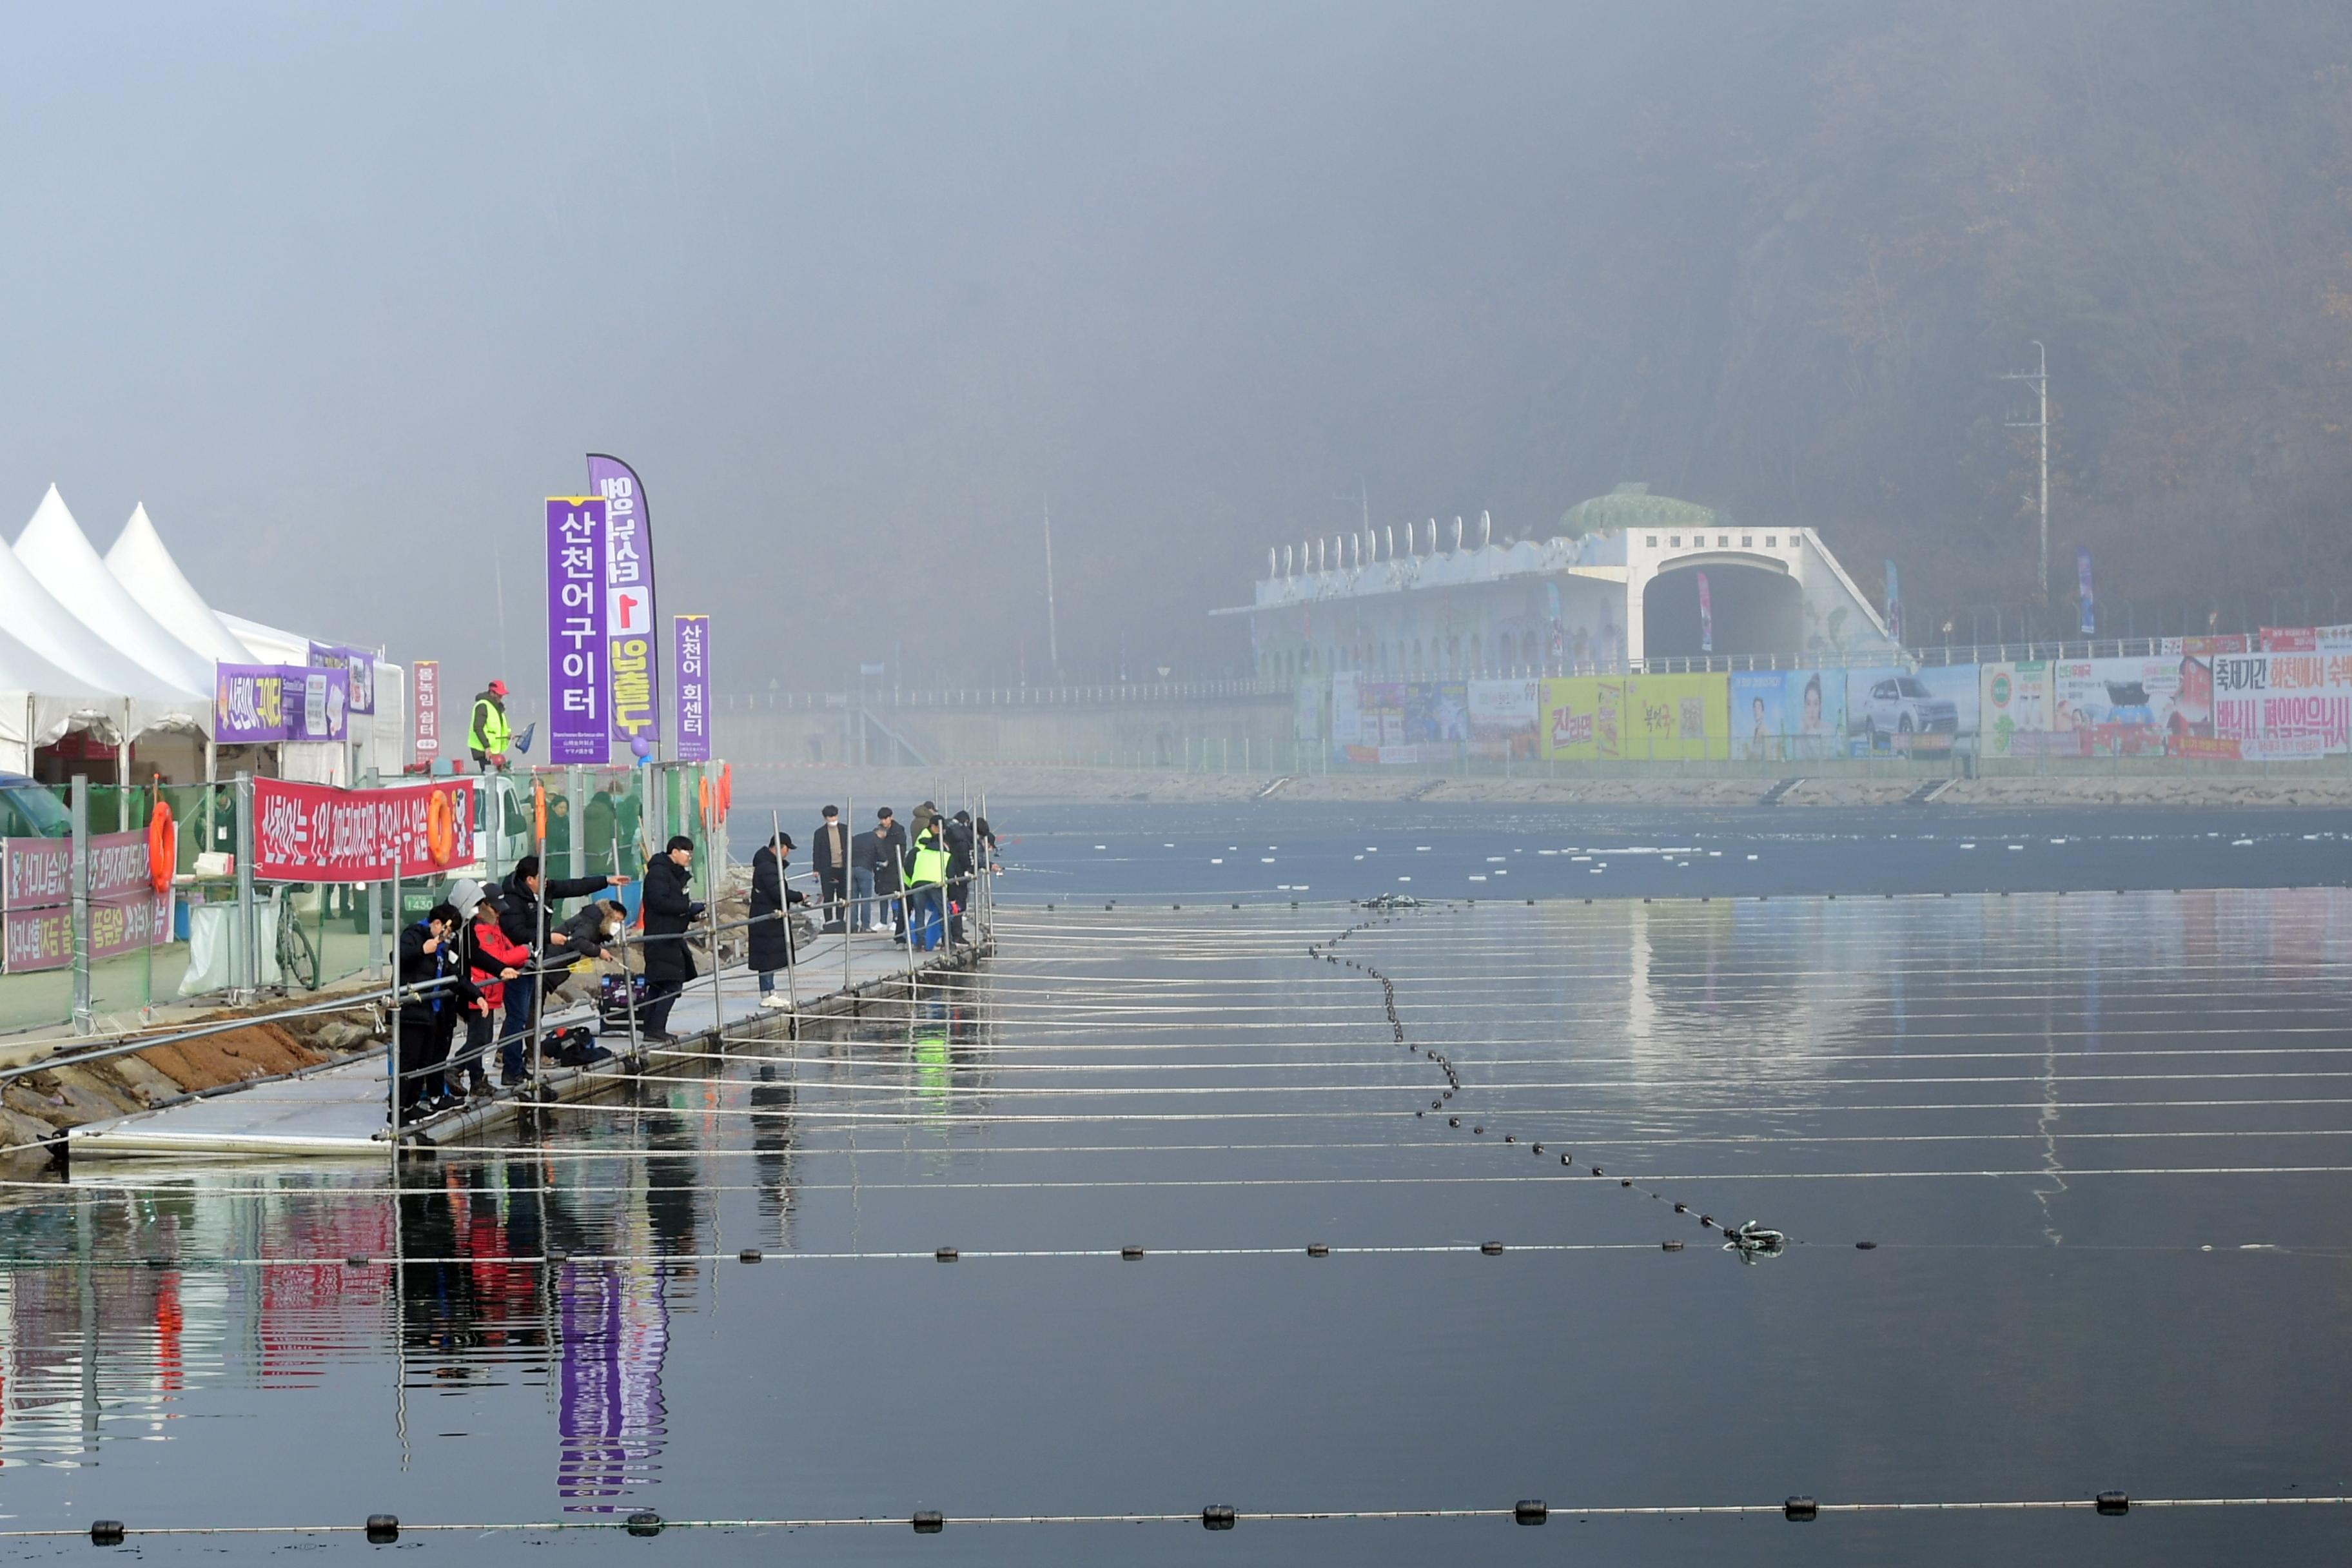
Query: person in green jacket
point(490, 735)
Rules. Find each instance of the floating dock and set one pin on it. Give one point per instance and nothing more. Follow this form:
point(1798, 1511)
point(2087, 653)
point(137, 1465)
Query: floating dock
point(338, 1110)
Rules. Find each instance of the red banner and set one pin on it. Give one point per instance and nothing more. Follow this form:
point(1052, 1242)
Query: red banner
point(316, 833)
point(36, 890)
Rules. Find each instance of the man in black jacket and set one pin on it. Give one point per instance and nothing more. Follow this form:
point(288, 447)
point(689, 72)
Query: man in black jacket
point(668, 909)
point(519, 917)
point(428, 1019)
point(887, 846)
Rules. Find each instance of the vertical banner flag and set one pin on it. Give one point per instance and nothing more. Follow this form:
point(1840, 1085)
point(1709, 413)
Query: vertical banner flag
point(2082, 579)
point(1706, 616)
point(576, 682)
point(426, 737)
point(636, 677)
point(693, 633)
point(1894, 604)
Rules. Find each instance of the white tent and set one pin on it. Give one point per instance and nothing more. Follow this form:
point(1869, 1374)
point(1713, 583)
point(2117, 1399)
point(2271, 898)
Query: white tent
point(54, 551)
point(32, 616)
point(147, 572)
point(40, 702)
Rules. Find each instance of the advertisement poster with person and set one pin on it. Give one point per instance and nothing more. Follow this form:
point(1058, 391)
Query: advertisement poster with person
point(1789, 715)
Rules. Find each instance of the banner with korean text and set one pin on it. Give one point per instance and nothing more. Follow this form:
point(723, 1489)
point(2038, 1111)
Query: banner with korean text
point(317, 833)
point(634, 692)
point(359, 666)
point(425, 733)
point(126, 912)
point(692, 634)
point(254, 705)
point(2277, 707)
point(576, 681)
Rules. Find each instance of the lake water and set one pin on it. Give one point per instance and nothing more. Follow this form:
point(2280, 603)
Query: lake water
point(2099, 1141)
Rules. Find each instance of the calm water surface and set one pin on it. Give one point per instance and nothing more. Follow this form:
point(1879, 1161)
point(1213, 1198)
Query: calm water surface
point(2100, 1142)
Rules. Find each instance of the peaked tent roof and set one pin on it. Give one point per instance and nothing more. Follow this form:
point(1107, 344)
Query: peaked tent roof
point(268, 644)
point(149, 574)
point(54, 551)
point(32, 616)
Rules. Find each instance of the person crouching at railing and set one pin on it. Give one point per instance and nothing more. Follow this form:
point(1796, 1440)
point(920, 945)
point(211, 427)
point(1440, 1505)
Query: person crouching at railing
point(491, 960)
point(668, 909)
point(436, 991)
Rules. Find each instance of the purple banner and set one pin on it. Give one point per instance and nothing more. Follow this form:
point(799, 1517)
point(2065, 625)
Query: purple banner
point(37, 887)
point(635, 695)
point(358, 663)
point(575, 629)
point(2083, 582)
point(257, 703)
point(693, 687)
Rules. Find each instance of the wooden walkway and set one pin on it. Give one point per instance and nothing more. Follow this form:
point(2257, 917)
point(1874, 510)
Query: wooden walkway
point(339, 1109)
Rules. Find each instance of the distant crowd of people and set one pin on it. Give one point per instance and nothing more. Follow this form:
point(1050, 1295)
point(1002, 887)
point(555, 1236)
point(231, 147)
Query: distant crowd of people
point(485, 958)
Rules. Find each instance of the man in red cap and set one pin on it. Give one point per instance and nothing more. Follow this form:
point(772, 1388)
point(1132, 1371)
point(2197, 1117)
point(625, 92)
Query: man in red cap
point(490, 735)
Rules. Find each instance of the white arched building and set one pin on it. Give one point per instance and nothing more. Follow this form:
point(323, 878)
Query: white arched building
point(1630, 580)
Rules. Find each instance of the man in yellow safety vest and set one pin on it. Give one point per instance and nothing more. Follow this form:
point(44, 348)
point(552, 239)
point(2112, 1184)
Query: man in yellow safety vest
point(927, 876)
point(490, 735)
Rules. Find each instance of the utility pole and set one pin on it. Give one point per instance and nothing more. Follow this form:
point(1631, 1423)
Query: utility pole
point(1053, 633)
point(2040, 376)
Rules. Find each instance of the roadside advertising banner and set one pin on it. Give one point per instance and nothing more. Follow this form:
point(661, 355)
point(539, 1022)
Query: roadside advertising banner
point(1347, 717)
point(2206, 647)
point(1307, 709)
point(357, 663)
point(2013, 708)
point(636, 675)
point(1788, 715)
point(425, 736)
point(575, 630)
point(317, 833)
point(126, 912)
point(693, 639)
point(2303, 639)
point(1503, 718)
point(1898, 710)
point(1381, 708)
point(2277, 707)
point(1637, 717)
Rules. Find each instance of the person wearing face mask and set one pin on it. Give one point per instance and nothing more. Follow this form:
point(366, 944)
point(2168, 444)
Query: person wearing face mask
point(772, 931)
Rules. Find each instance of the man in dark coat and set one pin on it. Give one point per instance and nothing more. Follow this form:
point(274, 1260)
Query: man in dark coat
point(520, 916)
point(889, 851)
point(428, 1019)
point(669, 910)
point(957, 831)
point(830, 856)
point(771, 920)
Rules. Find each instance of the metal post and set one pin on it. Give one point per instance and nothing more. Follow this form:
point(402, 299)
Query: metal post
point(784, 893)
point(80, 799)
point(848, 905)
point(248, 920)
point(392, 1051)
point(628, 982)
point(375, 933)
point(576, 790)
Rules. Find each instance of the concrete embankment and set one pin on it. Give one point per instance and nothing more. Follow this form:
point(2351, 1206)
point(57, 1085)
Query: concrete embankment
point(797, 791)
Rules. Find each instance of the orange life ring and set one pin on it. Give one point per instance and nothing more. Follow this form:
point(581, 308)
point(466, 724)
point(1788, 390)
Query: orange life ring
point(440, 826)
point(162, 845)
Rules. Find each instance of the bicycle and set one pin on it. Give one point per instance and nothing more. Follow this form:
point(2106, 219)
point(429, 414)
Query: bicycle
point(298, 958)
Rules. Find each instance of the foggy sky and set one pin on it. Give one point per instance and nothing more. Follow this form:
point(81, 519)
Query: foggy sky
point(341, 292)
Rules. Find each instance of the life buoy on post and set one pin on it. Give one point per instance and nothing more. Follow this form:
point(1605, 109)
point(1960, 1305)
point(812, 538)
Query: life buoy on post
point(440, 827)
point(726, 789)
point(703, 787)
point(163, 846)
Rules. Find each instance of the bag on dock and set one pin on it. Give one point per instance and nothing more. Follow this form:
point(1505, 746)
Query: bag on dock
point(614, 999)
point(573, 1048)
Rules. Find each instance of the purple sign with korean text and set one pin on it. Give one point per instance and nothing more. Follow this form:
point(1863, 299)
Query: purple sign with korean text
point(576, 690)
point(634, 692)
point(357, 662)
point(257, 703)
point(693, 687)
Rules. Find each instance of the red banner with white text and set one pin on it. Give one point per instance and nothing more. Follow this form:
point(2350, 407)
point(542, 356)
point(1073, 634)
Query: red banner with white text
point(316, 833)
